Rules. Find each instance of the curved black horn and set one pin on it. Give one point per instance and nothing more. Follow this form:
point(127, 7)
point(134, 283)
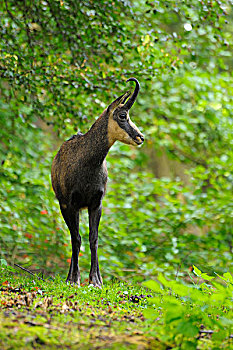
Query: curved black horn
point(132, 99)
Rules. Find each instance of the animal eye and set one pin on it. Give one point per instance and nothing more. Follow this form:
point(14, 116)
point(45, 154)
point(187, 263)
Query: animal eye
point(122, 116)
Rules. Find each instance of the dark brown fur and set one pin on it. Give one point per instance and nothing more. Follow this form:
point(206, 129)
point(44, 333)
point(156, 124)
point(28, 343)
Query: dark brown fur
point(79, 165)
point(79, 178)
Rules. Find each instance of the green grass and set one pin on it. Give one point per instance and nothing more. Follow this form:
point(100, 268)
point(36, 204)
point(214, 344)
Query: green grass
point(52, 314)
point(169, 315)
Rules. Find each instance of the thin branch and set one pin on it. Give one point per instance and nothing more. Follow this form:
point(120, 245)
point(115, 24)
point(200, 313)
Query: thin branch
point(188, 156)
point(206, 331)
point(27, 27)
point(12, 16)
point(210, 331)
point(34, 275)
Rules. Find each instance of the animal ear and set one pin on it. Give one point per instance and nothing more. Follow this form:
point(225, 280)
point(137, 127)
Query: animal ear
point(118, 101)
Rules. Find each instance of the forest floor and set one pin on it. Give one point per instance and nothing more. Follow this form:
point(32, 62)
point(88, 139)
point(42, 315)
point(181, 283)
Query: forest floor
point(37, 314)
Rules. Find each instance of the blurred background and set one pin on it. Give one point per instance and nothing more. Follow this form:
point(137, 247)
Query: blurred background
point(168, 203)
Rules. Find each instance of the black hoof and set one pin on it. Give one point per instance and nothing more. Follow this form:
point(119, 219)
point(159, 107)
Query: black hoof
point(96, 279)
point(73, 280)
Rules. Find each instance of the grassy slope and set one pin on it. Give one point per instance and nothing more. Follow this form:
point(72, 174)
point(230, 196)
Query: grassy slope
point(50, 314)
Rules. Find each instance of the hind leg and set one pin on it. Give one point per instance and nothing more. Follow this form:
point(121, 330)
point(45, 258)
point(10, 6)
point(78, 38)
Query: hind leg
point(94, 218)
point(71, 218)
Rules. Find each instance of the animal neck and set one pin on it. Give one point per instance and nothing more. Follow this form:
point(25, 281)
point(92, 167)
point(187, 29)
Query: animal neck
point(98, 143)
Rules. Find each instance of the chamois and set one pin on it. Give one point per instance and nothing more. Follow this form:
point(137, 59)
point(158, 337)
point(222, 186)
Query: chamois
point(79, 175)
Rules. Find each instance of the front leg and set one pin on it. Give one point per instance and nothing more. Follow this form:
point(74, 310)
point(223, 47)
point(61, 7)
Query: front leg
point(94, 219)
point(71, 218)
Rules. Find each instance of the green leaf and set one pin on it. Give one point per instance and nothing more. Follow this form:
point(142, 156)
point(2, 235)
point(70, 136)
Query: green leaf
point(187, 328)
point(197, 271)
point(228, 277)
point(151, 314)
point(174, 312)
point(153, 285)
point(206, 277)
point(3, 263)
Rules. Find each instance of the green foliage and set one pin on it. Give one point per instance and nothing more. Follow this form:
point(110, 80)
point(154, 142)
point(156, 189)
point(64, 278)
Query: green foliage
point(56, 56)
point(60, 66)
point(177, 315)
point(30, 225)
point(180, 309)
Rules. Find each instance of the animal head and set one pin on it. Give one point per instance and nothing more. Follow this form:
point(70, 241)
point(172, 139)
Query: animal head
point(120, 126)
